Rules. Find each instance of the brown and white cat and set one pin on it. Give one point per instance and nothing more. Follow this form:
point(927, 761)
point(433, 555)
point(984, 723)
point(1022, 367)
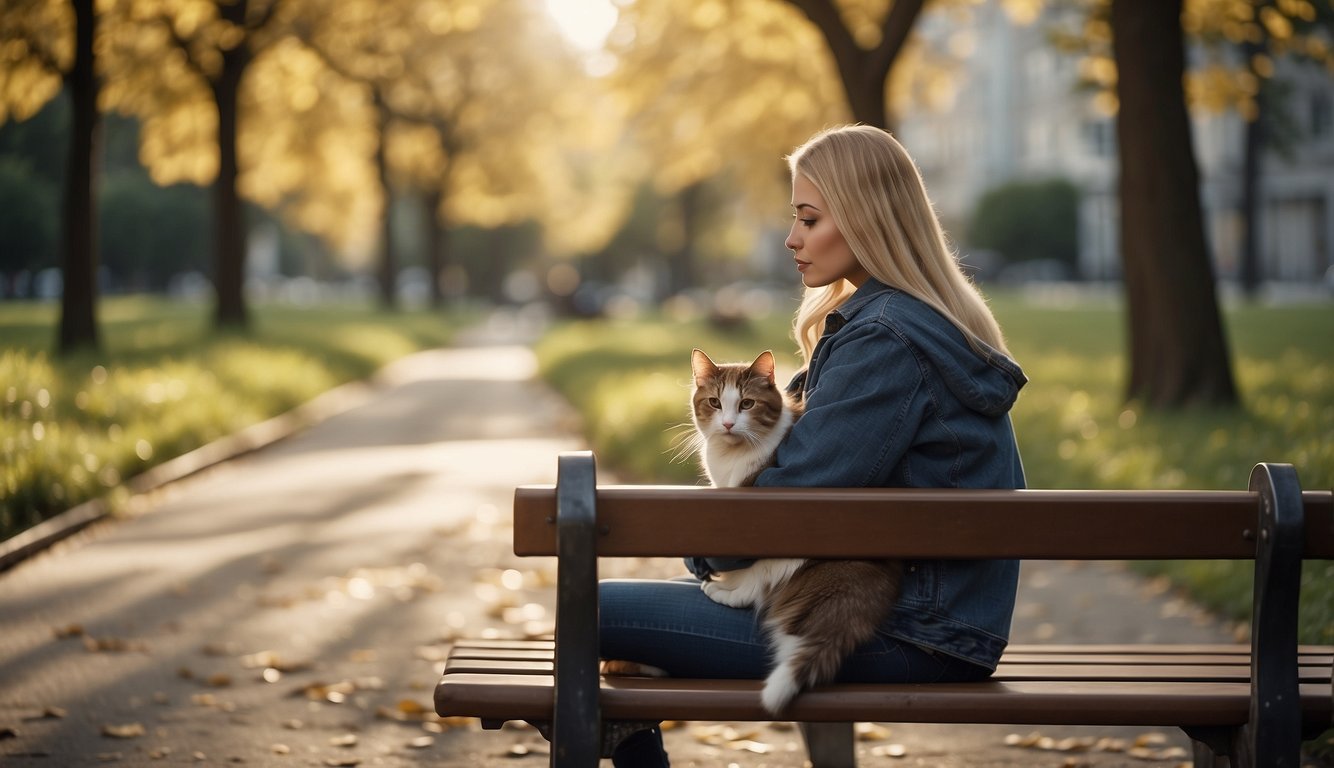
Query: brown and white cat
point(816, 612)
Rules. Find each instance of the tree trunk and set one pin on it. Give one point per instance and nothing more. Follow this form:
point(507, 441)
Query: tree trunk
point(683, 267)
point(1249, 272)
point(437, 244)
point(229, 238)
point(388, 271)
point(78, 303)
point(1178, 354)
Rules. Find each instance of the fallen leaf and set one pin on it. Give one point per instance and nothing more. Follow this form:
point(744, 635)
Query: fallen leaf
point(871, 732)
point(1150, 754)
point(112, 645)
point(280, 749)
point(273, 660)
point(293, 724)
point(8, 733)
point(455, 721)
point(421, 742)
point(127, 731)
point(342, 762)
point(1075, 744)
point(108, 757)
point(48, 713)
point(69, 630)
point(1025, 742)
point(889, 750)
point(346, 740)
point(219, 680)
point(750, 745)
point(159, 753)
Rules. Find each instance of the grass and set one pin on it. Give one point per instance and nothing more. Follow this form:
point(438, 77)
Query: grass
point(74, 428)
point(630, 380)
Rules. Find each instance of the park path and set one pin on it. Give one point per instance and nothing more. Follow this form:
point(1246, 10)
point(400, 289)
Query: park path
point(292, 607)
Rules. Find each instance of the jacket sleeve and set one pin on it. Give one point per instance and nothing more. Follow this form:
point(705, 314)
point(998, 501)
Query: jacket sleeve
point(862, 416)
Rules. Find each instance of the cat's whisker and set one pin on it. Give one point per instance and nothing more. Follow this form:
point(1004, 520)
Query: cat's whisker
point(686, 444)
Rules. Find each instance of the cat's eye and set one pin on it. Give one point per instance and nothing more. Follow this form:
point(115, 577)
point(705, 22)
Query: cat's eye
point(715, 403)
point(747, 404)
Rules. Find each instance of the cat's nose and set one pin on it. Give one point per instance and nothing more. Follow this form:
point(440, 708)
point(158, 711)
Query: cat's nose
point(727, 425)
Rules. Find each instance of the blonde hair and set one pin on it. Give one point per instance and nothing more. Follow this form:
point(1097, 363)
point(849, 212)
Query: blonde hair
point(878, 202)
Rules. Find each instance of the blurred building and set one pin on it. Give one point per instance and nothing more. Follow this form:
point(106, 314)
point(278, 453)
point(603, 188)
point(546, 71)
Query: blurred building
point(1016, 112)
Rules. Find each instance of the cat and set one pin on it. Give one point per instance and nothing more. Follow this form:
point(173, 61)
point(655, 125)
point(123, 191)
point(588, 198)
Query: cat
point(815, 612)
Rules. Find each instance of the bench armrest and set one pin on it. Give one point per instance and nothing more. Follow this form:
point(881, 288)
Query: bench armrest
point(576, 661)
point(1275, 722)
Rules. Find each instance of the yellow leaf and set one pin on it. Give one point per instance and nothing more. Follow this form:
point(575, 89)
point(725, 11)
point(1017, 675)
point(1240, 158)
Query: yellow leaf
point(127, 731)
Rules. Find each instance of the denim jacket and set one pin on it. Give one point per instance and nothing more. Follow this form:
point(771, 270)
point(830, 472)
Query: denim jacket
point(897, 398)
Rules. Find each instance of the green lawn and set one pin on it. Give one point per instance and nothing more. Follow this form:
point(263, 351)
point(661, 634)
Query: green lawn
point(74, 428)
point(631, 382)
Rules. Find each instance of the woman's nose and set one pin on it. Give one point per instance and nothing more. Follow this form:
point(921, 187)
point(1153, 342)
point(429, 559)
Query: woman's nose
point(792, 243)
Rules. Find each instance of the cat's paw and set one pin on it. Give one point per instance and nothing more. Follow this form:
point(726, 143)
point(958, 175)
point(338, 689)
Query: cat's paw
point(726, 593)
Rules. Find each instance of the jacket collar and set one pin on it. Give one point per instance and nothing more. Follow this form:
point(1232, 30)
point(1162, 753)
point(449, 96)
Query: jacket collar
point(868, 292)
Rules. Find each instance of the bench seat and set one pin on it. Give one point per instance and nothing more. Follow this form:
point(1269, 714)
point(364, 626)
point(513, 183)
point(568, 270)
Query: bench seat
point(1137, 685)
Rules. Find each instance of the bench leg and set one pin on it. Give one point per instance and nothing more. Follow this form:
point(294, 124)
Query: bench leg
point(1216, 746)
point(830, 745)
point(1212, 749)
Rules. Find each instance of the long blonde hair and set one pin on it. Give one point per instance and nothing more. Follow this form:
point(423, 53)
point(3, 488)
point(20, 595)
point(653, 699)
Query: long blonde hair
point(876, 197)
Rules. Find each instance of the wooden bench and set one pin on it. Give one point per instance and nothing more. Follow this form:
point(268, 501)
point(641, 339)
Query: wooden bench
point(1252, 705)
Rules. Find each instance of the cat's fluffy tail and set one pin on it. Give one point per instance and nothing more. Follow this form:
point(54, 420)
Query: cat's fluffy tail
point(818, 618)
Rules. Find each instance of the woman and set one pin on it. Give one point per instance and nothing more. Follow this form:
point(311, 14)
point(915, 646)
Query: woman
point(907, 383)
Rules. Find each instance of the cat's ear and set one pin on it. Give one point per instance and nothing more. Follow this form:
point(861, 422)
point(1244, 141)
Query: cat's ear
point(701, 366)
point(764, 365)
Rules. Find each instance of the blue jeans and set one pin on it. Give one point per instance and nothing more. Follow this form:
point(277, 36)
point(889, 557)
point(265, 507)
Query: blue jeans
point(674, 626)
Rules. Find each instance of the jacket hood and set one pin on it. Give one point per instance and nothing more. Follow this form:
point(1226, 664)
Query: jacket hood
point(987, 382)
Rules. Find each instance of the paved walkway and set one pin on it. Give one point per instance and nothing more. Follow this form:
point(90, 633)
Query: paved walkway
point(292, 607)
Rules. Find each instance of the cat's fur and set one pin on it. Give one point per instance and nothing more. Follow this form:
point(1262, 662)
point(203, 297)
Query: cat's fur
point(816, 612)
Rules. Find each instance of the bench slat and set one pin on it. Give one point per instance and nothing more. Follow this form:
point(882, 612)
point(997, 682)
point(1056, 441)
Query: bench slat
point(1311, 669)
point(918, 523)
point(529, 697)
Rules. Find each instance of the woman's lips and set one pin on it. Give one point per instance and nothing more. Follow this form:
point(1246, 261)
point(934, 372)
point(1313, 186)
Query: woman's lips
point(802, 265)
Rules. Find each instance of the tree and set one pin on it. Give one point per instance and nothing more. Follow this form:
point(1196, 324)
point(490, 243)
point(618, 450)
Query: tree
point(716, 97)
point(57, 47)
point(1178, 354)
point(864, 60)
point(1261, 31)
point(220, 41)
point(78, 304)
point(478, 109)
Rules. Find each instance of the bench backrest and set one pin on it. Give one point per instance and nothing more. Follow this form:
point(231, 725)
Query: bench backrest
point(651, 521)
